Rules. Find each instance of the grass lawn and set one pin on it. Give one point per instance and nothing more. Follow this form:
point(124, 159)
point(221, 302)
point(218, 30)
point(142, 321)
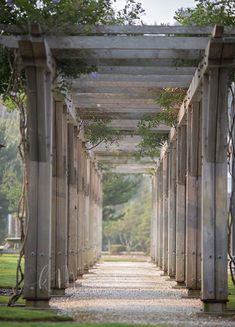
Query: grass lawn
point(69, 324)
point(231, 289)
point(23, 314)
point(123, 258)
point(8, 264)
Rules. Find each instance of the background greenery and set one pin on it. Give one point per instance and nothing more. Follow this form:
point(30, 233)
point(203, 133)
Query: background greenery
point(128, 199)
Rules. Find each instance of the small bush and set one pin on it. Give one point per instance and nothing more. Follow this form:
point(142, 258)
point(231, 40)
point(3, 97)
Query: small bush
point(117, 248)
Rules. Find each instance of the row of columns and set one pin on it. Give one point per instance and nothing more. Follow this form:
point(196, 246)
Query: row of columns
point(63, 233)
point(189, 237)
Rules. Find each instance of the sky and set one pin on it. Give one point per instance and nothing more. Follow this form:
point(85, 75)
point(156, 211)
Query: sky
point(160, 11)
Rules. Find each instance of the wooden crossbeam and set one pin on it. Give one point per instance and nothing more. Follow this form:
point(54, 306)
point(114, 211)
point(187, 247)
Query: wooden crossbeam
point(134, 84)
point(152, 70)
point(128, 42)
point(127, 53)
point(126, 29)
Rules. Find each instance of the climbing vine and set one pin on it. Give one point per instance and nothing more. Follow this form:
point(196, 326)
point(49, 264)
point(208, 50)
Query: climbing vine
point(53, 17)
point(169, 100)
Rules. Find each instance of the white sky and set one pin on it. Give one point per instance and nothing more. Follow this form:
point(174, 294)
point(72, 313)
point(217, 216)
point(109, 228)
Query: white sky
point(160, 11)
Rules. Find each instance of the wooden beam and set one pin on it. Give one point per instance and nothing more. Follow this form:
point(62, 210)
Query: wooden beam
point(60, 197)
point(144, 57)
point(126, 29)
point(152, 70)
point(128, 42)
point(214, 195)
point(130, 83)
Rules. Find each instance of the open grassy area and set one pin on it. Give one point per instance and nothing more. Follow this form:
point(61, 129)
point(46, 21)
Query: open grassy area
point(69, 324)
point(124, 258)
point(8, 264)
point(23, 314)
point(231, 289)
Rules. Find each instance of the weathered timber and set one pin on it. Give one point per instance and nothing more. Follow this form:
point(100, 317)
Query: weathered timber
point(40, 117)
point(180, 204)
point(214, 184)
point(72, 203)
point(172, 212)
point(59, 278)
point(165, 211)
point(192, 199)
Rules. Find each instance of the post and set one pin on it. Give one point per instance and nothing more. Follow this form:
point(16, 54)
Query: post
point(86, 210)
point(37, 283)
point(160, 219)
point(59, 276)
point(172, 212)
point(214, 190)
point(165, 212)
point(72, 203)
point(180, 205)
point(80, 211)
point(193, 214)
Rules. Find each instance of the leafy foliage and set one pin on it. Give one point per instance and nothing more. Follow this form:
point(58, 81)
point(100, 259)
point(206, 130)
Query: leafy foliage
point(10, 165)
point(98, 131)
point(133, 230)
point(118, 189)
point(208, 12)
point(170, 100)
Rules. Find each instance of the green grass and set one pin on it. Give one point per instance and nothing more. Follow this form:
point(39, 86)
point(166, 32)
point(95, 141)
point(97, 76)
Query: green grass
point(23, 314)
point(8, 264)
point(124, 258)
point(231, 290)
point(59, 324)
point(5, 298)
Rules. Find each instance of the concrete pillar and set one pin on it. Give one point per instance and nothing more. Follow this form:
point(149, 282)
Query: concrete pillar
point(39, 128)
point(214, 190)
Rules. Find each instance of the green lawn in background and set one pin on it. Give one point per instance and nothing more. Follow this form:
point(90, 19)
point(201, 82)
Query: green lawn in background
point(231, 290)
point(70, 324)
point(8, 264)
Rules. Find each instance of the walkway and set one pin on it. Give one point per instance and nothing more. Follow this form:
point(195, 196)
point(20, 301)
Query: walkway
point(132, 292)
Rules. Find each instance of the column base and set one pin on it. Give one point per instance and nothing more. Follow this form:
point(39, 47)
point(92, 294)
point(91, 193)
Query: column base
point(164, 274)
point(37, 304)
point(179, 285)
point(170, 278)
point(194, 293)
point(214, 307)
point(58, 292)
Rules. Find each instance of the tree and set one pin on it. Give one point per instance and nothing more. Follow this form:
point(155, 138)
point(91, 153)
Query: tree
point(133, 230)
point(118, 189)
point(208, 12)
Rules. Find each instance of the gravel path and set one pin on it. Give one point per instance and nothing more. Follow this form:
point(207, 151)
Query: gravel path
point(133, 292)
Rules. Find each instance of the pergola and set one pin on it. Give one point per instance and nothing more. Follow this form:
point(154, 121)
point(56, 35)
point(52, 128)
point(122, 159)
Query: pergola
point(189, 223)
